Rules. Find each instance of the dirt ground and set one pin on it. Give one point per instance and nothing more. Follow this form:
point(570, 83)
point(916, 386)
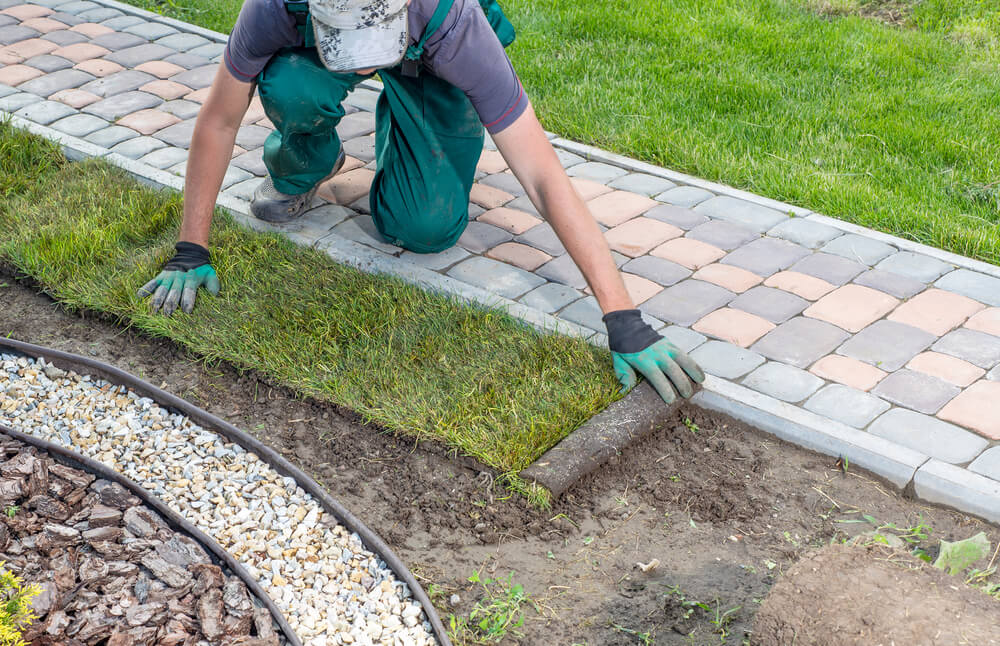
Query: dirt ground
point(723, 508)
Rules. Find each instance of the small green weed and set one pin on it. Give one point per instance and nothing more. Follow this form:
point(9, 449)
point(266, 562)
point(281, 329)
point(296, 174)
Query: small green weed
point(691, 425)
point(645, 638)
point(11, 511)
point(496, 615)
point(712, 612)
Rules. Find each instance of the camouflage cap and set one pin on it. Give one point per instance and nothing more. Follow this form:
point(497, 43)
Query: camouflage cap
point(359, 34)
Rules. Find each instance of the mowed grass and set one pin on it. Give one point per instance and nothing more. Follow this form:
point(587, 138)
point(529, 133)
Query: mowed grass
point(412, 362)
point(820, 103)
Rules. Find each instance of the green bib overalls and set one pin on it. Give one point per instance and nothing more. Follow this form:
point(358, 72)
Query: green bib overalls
point(428, 137)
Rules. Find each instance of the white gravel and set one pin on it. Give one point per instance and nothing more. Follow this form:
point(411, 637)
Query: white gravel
point(331, 589)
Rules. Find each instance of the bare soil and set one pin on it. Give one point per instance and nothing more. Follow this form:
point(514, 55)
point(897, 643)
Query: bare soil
point(722, 507)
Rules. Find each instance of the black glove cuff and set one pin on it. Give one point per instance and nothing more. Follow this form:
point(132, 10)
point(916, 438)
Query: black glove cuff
point(189, 255)
point(628, 333)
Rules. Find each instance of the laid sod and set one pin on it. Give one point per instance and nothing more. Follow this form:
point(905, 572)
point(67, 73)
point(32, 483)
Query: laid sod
point(878, 112)
point(413, 362)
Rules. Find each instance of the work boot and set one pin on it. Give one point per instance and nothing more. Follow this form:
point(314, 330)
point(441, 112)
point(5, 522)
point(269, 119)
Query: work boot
point(271, 205)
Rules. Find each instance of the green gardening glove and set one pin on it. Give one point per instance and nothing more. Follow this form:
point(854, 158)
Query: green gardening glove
point(637, 347)
point(189, 269)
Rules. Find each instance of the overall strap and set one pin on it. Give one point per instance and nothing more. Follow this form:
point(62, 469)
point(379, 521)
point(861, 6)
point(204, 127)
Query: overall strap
point(414, 52)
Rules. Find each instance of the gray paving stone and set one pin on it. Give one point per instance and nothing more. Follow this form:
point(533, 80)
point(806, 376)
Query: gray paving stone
point(16, 101)
point(946, 484)
point(359, 124)
point(542, 237)
point(51, 4)
point(832, 269)
point(475, 211)
point(846, 405)
point(563, 270)
point(887, 344)
point(119, 105)
point(994, 375)
point(80, 125)
point(805, 232)
point(250, 137)
point(6, 90)
point(783, 382)
point(479, 237)
point(199, 77)
point(684, 338)
point(7, 20)
point(725, 360)
point(687, 302)
point(800, 341)
point(753, 216)
point(122, 23)
point(135, 56)
point(149, 30)
point(916, 390)
point(567, 159)
point(523, 203)
point(362, 148)
point(642, 184)
point(775, 305)
point(232, 177)
point(211, 51)
point(16, 33)
point(48, 63)
point(363, 98)
point(138, 147)
point(182, 42)
point(929, 435)
point(78, 7)
point(118, 83)
point(316, 223)
point(117, 40)
point(45, 112)
point(980, 287)
point(497, 277)
point(915, 266)
point(61, 80)
point(766, 256)
point(860, 249)
point(245, 189)
point(504, 182)
point(362, 229)
point(973, 346)
point(551, 297)
point(180, 108)
point(110, 137)
point(890, 283)
point(436, 261)
point(724, 235)
point(685, 196)
point(179, 134)
point(252, 161)
point(188, 61)
point(658, 270)
point(585, 312)
point(165, 157)
point(67, 19)
point(64, 37)
point(678, 216)
point(596, 172)
point(100, 14)
point(987, 464)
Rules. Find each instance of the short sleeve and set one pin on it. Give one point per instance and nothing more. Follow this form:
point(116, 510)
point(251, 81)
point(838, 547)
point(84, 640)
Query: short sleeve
point(263, 28)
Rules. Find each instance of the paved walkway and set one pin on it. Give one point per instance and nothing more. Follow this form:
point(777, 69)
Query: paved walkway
point(835, 337)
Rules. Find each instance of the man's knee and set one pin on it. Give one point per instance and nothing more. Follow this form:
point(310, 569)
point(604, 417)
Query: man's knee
point(429, 228)
point(298, 97)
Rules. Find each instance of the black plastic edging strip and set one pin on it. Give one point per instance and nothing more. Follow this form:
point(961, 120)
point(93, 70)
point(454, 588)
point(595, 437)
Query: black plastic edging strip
point(205, 419)
point(174, 520)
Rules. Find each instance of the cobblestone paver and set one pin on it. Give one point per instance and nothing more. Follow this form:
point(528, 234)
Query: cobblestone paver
point(864, 330)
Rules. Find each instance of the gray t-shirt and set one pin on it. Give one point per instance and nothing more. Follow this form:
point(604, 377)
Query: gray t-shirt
point(464, 51)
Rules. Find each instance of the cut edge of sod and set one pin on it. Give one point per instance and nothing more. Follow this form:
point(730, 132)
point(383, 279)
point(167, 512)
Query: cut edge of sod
point(426, 365)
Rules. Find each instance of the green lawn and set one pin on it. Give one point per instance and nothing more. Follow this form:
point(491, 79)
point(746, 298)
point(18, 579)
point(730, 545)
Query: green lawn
point(421, 364)
point(814, 102)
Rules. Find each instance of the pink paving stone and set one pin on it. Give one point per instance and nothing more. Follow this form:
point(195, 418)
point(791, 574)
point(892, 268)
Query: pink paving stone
point(951, 369)
point(987, 321)
point(852, 307)
point(489, 197)
point(611, 209)
point(9, 58)
point(99, 67)
point(32, 47)
point(199, 96)
point(977, 408)
point(44, 25)
point(160, 69)
point(848, 371)
point(519, 255)
point(91, 29)
point(512, 220)
point(688, 252)
point(27, 11)
point(265, 123)
point(17, 74)
point(732, 278)
point(347, 187)
point(491, 162)
point(588, 189)
point(166, 90)
point(802, 285)
point(237, 151)
point(735, 326)
point(75, 98)
point(148, 121)
point(79, 52)
point(255, 112)
point(350, 163)
point(639, 288)
point(639, 235)
point(936, 311)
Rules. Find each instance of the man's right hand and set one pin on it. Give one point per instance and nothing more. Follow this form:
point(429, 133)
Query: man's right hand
point(178, 282)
